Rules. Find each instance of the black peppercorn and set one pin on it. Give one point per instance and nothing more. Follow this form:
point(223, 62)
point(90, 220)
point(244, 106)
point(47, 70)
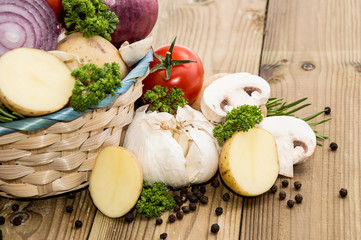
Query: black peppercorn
point(2, 220)
point(193, 199)
point(15, 207)
point(195, 188)
point(186, 209)
point(297, 184)
point(199, 195)
point(179, 215)
point(214, 228)
point(274, 189)
point(290, 203)
point(192, 206)
point(17, 221)
point(285, 183)
point(343, 192)
point(189, 194)
point(171, 218)
point(203, 189)
point(178, 199)
point(333, 146)
point(298, 198)
point(184, 198)
point(183, 192)
point(215, 183)
point(219, 211)
point(129, 217)
point(282, 195)
point(327, 110)
point(78, 224)
point(176, 208)
point(163, 236)
point(226, 197)
point(204, 199)
point(158, 221)
point(69, 209)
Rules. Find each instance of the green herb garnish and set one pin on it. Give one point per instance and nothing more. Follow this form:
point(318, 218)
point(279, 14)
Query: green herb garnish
point(93, 84)
point(275, 107)
point(241, 118)
point(91, 17)
point(154, 200)
point(165, 101)
point(7, 115)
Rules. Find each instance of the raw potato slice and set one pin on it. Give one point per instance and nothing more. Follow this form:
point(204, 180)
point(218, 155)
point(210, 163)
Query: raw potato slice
point(249, 162)
point(115, 182)
point(34, 82)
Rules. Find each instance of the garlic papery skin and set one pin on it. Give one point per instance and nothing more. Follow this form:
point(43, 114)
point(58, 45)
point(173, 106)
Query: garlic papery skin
point(177, 150)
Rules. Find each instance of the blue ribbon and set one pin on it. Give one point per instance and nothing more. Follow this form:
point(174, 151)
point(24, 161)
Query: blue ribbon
point(69, 114)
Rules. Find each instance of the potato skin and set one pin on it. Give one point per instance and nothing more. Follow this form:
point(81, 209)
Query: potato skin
point(95, 50)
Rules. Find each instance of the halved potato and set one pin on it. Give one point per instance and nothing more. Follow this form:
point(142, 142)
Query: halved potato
point(116, 181)
point(249, 162)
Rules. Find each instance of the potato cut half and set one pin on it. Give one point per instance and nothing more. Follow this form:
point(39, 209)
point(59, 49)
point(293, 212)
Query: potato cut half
point(34, 82)
point(116, 181)
point(249, 162)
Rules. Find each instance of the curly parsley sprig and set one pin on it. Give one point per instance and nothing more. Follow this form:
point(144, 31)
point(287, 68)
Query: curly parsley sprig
point(154, 200)
point(91, 17)
point(165, 101)
point(241, 118)
point(93, 84)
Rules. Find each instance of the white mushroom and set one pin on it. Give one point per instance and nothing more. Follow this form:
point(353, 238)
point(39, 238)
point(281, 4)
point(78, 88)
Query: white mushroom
point(295, 140)
point(230, 91)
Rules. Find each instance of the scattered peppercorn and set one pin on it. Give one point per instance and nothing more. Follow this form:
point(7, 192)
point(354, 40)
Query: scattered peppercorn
point(333, 146)
point(327, 110)
point(214, 228)
point(129, 217)
point(219, 211)
point(290, 203)
point(298, 198)
point(193, 199)
point(2, 220)
point(171, 218)
point(15, 207)
point(183, 192)
point(179, 215)
point(204, 199)
point(158, 221)
point(282, 195)
point(192, 206)
point(186, 209)
point(343, 192)
point(78, 224)
point(274, 189)
point(17, 221)
point(285, 183)
point(203, 189)
point(297, 184)
point(69, 209)
point(178, 199)
point(199, 195)
point(176, 208)
point(184, 198)
point(163, 236)
point(226, 197)
point(215, 183)
point(195, 188)
point(189, 194)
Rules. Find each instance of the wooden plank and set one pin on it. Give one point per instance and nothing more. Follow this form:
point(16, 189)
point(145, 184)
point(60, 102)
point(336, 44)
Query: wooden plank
point(227, 35)
point(312, 49)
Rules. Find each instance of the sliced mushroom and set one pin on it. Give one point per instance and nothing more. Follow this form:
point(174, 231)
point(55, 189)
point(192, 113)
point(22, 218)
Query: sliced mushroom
point(295, 140)
point(230, 91)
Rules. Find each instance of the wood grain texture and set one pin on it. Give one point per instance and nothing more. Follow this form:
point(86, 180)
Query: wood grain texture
point(312, 49)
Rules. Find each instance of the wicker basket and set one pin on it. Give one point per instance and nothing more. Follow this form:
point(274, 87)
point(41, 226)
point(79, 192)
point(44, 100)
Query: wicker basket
point(59, 158)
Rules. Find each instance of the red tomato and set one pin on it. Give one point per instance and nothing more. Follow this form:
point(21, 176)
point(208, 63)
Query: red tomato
point(189, 77)
point(56, 5)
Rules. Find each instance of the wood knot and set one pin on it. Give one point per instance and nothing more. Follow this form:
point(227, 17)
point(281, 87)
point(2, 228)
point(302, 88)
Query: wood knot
point(19, 218)
point(307, 66)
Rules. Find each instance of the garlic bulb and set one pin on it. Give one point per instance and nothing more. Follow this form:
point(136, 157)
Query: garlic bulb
point(178, 150)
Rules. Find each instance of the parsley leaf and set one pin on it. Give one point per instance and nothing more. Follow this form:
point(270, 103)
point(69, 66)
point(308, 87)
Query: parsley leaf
point(241, 118)
point(91, 17)
point(154, 200)
point(93, 84)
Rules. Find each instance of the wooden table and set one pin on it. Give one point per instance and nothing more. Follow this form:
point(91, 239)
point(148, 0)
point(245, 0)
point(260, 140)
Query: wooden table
point(303, 48)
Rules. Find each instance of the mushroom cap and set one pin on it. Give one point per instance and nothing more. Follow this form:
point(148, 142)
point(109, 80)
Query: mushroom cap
point(295, 139)
point(233, 90)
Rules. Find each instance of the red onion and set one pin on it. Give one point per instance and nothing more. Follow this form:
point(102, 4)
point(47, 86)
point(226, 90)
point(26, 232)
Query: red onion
point(136, 19)
point(27, 23)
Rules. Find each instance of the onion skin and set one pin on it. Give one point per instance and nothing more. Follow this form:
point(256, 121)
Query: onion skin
point(136, 19)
